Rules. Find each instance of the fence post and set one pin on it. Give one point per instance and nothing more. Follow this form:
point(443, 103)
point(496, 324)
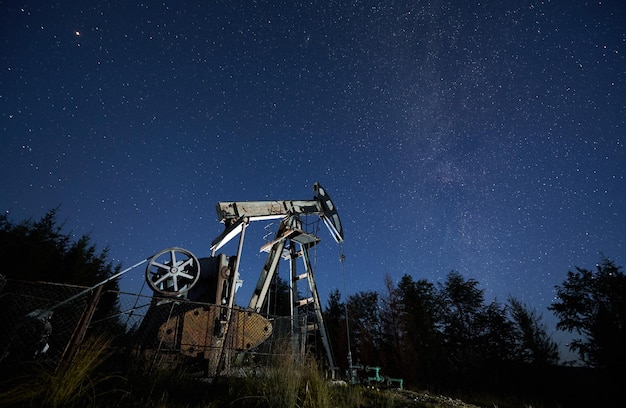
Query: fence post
point(81, 328)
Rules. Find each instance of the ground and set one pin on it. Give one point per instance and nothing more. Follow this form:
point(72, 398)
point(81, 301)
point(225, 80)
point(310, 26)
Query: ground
point(412, 399)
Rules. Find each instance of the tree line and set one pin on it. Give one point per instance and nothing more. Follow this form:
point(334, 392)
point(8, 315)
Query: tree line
point(41, 251)
point(447, 335)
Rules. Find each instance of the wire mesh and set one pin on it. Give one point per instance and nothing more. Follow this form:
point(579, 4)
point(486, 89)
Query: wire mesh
point(170, 328)
point(39, 324)
point(33, 326)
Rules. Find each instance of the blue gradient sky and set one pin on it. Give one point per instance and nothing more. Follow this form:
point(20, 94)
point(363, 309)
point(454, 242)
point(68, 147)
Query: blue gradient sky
point(484, 137)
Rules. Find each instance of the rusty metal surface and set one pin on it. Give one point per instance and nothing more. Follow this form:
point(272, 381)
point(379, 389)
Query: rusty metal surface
point(196, 331)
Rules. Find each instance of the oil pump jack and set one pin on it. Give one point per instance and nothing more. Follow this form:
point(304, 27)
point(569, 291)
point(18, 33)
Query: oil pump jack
point(212, 332)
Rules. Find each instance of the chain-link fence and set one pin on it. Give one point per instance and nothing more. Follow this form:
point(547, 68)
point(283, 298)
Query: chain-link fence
point(37, 321)
point(174, 329)
point(44, 321)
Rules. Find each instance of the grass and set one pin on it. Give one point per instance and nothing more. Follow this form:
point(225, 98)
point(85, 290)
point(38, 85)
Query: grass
point(92, 380)
point(73, 384)
point(291, 384)
point(284, 383)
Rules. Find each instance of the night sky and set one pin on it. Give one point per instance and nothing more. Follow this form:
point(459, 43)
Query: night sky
point(483, 137)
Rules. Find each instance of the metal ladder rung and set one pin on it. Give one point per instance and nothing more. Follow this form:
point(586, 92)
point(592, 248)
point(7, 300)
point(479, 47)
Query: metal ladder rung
point(285, 235)
point(304, 302)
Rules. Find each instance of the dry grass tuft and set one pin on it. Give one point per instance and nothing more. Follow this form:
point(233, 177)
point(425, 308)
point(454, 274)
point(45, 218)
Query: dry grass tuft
point(72, 384)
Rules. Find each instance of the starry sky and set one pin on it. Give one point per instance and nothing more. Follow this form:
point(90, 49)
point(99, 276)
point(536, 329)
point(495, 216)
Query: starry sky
point(484, 137)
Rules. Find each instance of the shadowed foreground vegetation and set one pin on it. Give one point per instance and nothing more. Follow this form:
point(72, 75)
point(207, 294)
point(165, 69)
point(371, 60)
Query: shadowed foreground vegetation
point(103, 376)
point(100, 377)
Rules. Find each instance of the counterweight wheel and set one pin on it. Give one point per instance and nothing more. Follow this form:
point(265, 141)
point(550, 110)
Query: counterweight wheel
point(173, 271)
